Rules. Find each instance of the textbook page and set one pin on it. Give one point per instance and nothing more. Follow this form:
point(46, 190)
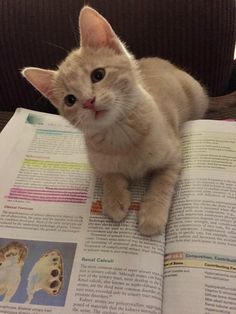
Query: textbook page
point(58, 252)
point(200, 253)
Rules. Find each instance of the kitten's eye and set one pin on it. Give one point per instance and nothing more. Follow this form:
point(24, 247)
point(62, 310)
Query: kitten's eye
point(70, 100)
point(97, 75)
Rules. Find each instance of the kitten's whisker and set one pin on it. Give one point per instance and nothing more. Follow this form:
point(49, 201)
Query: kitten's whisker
point(75, 34)
point(120, 125)
point(57, 46)
point(54, 89)
point(35, 104)
point(38, 100)
point(128, 109)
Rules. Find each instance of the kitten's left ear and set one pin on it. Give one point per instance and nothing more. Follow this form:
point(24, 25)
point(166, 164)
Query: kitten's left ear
point(42, 80)
point(96, 32)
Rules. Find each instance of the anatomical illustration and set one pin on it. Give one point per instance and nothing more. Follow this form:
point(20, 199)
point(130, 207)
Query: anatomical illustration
point(12, 260)
point(46, 274)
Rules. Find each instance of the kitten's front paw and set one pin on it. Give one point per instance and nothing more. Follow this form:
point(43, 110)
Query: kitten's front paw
point(152, 218)
point(116, 204)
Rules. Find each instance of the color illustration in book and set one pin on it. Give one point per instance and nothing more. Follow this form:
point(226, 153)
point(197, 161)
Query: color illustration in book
point(12, 259)
point(35, 272)
point(46, 274)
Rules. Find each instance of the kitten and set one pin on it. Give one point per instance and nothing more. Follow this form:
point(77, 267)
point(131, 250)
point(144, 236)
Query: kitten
point(130, 112)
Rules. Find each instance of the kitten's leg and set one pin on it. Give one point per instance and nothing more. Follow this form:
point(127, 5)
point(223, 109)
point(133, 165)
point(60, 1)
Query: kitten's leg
point(155, 207)
point(116, 196)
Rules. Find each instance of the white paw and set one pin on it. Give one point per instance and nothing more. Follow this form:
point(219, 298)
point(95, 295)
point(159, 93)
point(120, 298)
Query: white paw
point(152, 218)
point(116, 204)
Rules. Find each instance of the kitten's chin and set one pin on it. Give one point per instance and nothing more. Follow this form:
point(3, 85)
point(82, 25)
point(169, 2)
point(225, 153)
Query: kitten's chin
point(99, 120)
point(102, 121)
point(100, 114)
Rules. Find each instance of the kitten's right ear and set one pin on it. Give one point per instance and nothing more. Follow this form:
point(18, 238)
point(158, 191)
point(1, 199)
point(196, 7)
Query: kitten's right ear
point(42, 80)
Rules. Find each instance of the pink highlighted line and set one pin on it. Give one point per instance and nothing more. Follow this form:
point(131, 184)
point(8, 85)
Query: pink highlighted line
point(48, 193)
point(45, 199)
point(49, 189)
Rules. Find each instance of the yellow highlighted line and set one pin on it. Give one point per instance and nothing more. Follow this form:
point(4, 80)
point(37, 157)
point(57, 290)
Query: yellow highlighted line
point(46, 164)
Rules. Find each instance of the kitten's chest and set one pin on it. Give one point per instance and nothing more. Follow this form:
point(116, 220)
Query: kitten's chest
point(132, 158)
point(134, 164)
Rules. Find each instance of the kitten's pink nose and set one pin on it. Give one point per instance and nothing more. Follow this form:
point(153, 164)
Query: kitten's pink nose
point(89, 104)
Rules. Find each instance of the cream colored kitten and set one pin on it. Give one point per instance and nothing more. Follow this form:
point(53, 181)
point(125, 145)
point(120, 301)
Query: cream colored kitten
point(130, 112)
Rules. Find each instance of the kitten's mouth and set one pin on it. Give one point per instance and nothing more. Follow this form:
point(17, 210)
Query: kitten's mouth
point(90, 104)
point(99, 113)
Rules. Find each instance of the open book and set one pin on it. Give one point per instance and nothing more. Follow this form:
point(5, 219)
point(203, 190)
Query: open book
point(60, 254)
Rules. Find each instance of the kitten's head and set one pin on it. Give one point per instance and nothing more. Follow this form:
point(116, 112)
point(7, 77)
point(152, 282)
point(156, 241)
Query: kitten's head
point(94, 86)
